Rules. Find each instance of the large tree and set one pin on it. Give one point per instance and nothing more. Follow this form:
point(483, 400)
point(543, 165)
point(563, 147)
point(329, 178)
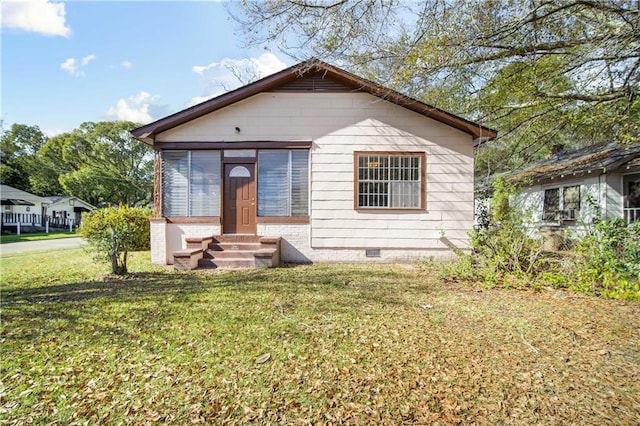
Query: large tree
point(546, 71)
point(18, 147)
point(100, 163)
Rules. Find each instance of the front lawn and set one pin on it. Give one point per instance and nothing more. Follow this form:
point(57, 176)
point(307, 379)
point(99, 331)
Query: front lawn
point(346, 344)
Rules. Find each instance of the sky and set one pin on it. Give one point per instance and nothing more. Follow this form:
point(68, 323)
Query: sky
point(64, 63)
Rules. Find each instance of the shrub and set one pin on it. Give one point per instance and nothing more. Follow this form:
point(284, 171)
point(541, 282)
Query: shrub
point(115, 231)
point(504, 253)
point(612, 260)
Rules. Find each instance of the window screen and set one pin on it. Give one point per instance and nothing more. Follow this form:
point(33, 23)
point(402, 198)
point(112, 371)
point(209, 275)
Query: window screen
point(389, 181)
point(571, 198)
point(551, 204)
point(283, 183)
point(175, 179)
point(191, 183)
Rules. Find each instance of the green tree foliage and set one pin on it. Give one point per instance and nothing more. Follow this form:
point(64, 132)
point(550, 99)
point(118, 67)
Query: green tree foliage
point(18, 148)
point(541, 72)
point(98, 162)
point(116, 231)
point(612, 260)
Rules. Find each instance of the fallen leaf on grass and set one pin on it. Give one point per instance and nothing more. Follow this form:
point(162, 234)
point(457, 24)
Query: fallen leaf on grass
point(263, 358)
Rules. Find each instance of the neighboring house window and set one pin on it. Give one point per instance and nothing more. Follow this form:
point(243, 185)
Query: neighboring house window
point(561, 203)
point(191, 183)
point(390, 181)
point(631, 192)
point(283, 182)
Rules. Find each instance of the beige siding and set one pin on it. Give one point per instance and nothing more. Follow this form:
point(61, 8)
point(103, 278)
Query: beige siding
point(339, 124)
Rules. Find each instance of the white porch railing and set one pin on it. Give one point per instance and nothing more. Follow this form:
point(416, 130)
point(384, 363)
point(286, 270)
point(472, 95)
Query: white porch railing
point(19, 220)
point(632, 214)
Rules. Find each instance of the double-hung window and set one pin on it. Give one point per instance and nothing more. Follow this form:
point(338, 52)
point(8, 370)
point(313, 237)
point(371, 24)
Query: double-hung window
point(389, 180)
point(283, 183)
point(561, 203)
point(191, 183)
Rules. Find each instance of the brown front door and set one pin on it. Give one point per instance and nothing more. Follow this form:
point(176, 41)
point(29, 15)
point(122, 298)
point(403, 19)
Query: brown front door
point(239, 199)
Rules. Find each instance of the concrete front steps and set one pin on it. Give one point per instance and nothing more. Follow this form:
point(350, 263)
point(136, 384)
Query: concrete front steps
point(228, 252)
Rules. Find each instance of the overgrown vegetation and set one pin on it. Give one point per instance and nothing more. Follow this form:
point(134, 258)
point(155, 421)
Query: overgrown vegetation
point(612, 260)
point(503, 252)
point(606, 261)
point(368, 344)
point(115, 231)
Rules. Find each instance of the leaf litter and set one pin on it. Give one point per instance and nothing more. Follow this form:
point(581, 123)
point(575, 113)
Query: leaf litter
point(355, 353)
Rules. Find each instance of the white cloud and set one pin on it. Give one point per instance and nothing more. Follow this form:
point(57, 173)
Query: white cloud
point(230, 73)
point(198, 99)
point(73, 66)
point(53, 132)
point(135, 108)
point(38, 16)
point(126, 65)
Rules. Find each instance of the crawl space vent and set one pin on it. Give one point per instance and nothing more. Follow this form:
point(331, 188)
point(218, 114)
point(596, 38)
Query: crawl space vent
point(372, 252)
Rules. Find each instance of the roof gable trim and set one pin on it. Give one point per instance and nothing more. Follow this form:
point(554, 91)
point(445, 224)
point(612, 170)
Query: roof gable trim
point(311, 67)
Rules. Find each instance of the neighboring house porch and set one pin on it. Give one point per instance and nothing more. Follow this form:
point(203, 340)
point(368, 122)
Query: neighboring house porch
point(26, 212)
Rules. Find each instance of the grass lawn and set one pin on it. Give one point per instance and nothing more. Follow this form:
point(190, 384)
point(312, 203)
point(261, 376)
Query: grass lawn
point(347, 345)
point(36, 236)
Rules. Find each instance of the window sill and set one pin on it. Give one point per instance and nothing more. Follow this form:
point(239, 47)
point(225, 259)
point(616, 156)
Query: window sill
point(390, 210)
point(194, 219)
point(282, 219)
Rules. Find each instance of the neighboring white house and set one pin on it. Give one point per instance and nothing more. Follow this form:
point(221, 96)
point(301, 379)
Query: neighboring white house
point(34, 211)
point(66, 208)
point(21, 206)
point(569, 189)
point(339, 168)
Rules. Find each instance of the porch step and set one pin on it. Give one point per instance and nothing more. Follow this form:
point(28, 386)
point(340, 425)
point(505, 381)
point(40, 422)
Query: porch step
point(217, 247)
point(237, 238)
point(230, 252)
point(227, 263)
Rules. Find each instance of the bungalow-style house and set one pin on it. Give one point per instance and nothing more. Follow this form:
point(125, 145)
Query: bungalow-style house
point(63, 209)
point(21, 207)
point(310, 164)
point(22, 210)
point(571, 188)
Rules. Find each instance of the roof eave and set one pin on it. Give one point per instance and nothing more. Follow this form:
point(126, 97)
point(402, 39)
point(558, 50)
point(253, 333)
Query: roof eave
point(147, 132)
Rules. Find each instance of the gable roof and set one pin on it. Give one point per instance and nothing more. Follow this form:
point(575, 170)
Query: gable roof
point(601, 158)
point(286, 77)
point(15, 196)
point(62, 198)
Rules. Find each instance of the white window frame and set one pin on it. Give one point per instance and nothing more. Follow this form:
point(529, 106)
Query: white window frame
point(562, 214)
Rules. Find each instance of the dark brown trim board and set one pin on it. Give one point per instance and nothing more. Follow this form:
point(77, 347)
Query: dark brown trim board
point(283, 219)
point(194, 145)
point(423, 181)
point(148, 132)
point(213, 220)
